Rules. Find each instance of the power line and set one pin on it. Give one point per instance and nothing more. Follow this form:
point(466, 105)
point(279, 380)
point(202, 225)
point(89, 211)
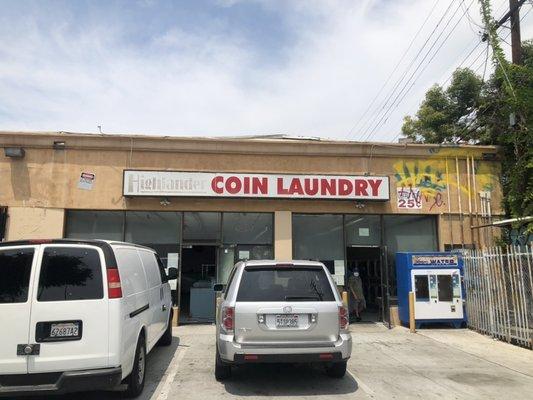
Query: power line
point(483, 64)
point(378, 110)
point(384, 118)
point(394, 70)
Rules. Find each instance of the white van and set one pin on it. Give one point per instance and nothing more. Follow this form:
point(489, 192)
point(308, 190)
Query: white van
point(80, 315)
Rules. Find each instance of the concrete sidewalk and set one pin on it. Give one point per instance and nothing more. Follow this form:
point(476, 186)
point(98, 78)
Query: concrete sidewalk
point(385, 364)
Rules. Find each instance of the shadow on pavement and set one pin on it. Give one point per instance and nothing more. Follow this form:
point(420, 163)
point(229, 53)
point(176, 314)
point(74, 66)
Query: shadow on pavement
point(286, 380)
point(157, 363)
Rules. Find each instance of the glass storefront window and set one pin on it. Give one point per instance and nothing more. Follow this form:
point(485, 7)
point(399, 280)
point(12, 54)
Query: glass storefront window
point(157, 230)
point(201, 227)
point(318, 237)
point(153, 228)
point(108, 225)
point(362, 230)
point(408, 233)
point(247, 228)
point(246, 236)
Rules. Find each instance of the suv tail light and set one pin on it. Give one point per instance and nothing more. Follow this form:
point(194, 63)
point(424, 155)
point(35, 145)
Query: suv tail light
point(114, 288)
point(228, 320)
point(344, 320)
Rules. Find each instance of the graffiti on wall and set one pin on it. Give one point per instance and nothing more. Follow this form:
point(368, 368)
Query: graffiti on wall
point(424, 182)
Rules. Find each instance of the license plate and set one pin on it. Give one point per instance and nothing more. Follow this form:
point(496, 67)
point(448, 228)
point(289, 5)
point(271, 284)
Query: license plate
point(68, 329)
point(287, 321)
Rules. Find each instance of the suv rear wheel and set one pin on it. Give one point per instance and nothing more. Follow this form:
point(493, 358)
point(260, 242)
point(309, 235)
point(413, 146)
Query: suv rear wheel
point(135, 380)
point(336, 370)
point(222, 371)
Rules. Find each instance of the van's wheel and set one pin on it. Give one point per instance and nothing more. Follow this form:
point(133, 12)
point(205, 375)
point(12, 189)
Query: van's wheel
point(135, 380)
point(222, 371)
point(166, 339)
point(336, 370)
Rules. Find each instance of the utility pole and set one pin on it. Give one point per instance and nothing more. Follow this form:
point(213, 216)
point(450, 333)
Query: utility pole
point(516, 45)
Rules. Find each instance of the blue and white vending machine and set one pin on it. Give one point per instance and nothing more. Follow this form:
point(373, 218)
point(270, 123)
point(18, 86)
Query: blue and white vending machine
point(436, 279)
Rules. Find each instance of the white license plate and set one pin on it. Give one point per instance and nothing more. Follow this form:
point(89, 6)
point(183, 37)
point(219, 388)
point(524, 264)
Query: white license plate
point(287, 321)
point(69, 329)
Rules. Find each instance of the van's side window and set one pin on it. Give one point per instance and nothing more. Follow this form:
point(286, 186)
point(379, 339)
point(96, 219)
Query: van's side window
point(153, 276)
point(15, 270)
point(70, 273)
point(164, 277)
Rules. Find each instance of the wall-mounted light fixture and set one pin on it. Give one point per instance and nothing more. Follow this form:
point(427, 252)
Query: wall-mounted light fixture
point(59, 145)
point(359, 204)
point(164, 202)
point(14, 152)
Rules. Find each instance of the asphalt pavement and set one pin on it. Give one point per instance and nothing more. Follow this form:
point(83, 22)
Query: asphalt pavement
point(385, 364)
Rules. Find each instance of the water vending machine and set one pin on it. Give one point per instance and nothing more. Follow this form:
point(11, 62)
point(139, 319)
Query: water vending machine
point(436, 279)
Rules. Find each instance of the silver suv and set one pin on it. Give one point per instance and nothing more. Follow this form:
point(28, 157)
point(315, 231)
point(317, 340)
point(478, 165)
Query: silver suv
point(273, 312)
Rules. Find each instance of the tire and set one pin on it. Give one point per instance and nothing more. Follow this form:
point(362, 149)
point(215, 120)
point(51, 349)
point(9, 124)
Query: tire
point(166, 339)
point(336, 370)
point(135, 380)
point(222, 371)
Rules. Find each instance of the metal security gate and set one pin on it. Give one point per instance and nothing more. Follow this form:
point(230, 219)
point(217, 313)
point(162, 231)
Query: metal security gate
point(499, 292)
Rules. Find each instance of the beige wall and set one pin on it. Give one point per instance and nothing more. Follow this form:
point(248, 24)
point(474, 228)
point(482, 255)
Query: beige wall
point(283, 235)
point(47, 179)
point(34, 223)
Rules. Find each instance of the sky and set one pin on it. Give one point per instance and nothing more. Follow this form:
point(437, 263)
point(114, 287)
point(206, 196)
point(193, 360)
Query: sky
point(230, 67)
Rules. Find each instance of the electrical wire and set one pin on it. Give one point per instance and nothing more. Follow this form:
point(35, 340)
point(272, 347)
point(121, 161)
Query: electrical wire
point(484, 65)
point(406, 71)
point(406, 88)
point(394, 69)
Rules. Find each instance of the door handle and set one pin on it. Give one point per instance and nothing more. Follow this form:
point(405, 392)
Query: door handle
point(163, 308)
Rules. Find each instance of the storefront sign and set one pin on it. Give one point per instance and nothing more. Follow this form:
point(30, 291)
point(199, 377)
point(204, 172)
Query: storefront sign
point(435, 260)
point(211, 184)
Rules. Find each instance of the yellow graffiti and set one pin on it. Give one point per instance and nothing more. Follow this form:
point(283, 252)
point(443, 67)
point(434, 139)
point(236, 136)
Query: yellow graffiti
point(431, 177)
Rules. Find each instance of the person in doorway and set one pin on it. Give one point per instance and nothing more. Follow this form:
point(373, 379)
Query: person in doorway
point(355, 287)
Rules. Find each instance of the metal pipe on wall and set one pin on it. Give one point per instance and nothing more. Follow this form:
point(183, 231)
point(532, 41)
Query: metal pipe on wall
point(475, 199)
point(459, 201)
point(469, 199)
point(449, 202)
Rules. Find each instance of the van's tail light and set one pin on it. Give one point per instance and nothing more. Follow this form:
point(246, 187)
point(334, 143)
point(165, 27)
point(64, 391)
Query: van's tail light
point(114, 288)
point(228, 319)
point(344, 320)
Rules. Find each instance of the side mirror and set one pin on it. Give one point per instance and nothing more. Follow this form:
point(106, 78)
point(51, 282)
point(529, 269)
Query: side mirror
point(219, 287)
point(172, 273)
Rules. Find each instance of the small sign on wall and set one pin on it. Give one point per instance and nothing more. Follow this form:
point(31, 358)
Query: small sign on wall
point(409, 198)
point(86, 181)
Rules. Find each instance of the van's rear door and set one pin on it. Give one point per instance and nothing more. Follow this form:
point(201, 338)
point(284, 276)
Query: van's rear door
point(17, 266)
point(286, 306)
point(69, 317)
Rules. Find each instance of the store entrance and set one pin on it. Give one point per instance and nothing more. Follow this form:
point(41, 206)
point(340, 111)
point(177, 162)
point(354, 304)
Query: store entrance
point(198, 274)
point(367, 260)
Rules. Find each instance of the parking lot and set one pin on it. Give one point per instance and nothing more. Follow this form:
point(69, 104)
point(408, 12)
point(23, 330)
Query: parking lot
point(385, 364)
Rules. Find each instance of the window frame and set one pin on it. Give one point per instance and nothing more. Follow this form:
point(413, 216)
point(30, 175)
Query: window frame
point(103, 271)
point(32, 268)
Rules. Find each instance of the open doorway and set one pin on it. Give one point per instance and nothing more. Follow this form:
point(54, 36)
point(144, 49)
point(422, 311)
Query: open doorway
point(368, 261)
point(198, 274)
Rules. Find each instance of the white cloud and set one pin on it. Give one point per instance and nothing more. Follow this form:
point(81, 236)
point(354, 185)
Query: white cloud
point(208, 83)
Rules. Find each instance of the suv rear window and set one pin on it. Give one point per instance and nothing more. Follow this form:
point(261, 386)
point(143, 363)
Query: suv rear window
point(15, 270)
point(70, 273)
point(284, 284)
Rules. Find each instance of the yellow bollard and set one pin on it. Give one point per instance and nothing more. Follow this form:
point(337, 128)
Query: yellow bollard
point(175, 316)
point(412, 325)
point(345, 298)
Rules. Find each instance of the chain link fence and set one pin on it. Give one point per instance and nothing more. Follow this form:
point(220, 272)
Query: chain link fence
point(499, 292)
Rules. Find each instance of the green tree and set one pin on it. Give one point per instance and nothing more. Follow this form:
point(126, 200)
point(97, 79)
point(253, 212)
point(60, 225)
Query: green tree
point(498, 111)
point(447, 116)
